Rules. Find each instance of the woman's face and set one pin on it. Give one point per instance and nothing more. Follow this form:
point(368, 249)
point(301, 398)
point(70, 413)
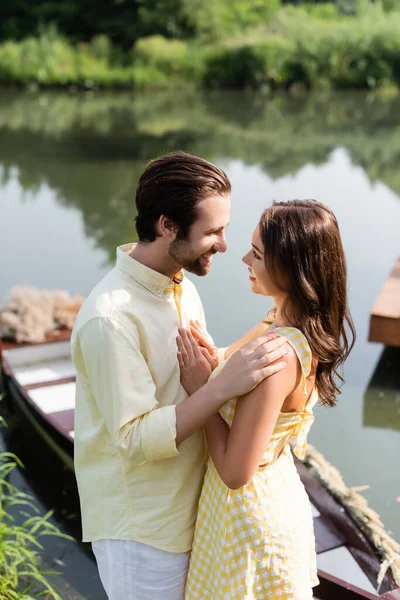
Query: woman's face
point(260, 281)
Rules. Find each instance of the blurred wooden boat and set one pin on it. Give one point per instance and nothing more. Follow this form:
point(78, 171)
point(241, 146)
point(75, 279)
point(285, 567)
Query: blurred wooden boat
point(384, 324)
point(381, 397)
point(39, 380)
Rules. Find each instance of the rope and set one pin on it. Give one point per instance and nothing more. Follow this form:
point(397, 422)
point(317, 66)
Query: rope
point(357, 506)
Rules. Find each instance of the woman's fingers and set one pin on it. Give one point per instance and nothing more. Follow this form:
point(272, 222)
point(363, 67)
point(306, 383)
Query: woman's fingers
point(205, 353)
point(187, 342)
point(200, 334)
point(200, 337)
point(181, 363)
point(195, 346)
point(208, 357)
point(182, 351)
point(197, 334)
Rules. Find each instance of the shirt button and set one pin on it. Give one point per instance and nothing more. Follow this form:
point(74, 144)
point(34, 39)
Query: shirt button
point(159, 292)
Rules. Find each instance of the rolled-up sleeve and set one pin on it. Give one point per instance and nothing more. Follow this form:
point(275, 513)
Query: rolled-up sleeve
point(124, 391)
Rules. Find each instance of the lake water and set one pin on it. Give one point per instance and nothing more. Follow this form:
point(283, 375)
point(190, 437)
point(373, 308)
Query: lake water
point(69, 165)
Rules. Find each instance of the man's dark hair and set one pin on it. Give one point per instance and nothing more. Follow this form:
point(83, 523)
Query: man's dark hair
point(173, 185)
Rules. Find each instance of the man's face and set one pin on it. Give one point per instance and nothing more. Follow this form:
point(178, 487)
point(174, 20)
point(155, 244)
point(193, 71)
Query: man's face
point(206, 236)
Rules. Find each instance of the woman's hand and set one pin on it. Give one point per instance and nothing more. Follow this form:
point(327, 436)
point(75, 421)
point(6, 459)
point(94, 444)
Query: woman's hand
point(251, 364)
point(194, 367)
point(209, 351)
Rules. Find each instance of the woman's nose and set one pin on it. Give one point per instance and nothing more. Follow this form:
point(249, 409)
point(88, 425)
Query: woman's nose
point(246, 259)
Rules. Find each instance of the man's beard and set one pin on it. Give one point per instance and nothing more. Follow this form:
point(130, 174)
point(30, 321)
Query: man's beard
point(180, 251)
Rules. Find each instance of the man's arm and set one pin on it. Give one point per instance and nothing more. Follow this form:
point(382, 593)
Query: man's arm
point(124, 390)
point(247, 337)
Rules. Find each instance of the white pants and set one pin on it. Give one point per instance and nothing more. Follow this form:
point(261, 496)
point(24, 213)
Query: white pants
point(134, 571)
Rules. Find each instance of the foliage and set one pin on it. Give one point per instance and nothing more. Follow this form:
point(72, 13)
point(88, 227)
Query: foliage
point(21, 577)
point(169, 18)
point(217, 19)
point(77, 19)
point(50, 59)
point(125, 21)
point(234, 44)
point(390, 5)
point(312, 53)
point(168, 58)
point(327, 10)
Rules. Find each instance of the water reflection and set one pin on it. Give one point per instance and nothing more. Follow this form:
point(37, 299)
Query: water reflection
point(90, 149)
point(382, 396)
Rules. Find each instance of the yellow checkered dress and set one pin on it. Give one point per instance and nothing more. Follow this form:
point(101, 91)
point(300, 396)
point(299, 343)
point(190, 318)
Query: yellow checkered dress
point(257, 542)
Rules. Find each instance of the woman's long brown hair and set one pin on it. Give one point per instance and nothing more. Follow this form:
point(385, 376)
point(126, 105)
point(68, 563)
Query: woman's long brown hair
point(304, 257)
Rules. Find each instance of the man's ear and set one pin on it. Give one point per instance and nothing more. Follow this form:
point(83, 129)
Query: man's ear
point(166, 227)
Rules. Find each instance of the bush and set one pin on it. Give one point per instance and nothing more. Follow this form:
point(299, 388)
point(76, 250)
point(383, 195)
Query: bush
point(47, 59)
point(101, 48)
point(170, 58)
point(249, 65)
point(213, 20)
point(10, 61)
point(346, 53)
point(327, 10)
point(390, 5)
point(296, 48)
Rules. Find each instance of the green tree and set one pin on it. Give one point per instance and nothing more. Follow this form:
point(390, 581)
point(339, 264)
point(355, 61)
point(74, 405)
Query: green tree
point(169, 18)
point(78, 19)
point(215, 19)
point(124, 21)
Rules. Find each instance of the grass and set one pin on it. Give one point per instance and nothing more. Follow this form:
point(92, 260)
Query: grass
point(21, 528)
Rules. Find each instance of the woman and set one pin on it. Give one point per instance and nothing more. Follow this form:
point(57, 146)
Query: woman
point(254, 534)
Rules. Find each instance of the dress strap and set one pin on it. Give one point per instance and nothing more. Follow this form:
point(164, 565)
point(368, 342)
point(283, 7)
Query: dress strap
point(300, 345)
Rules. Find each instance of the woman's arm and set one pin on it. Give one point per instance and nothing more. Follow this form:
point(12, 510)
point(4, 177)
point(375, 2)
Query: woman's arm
point(237, 452)
point(256, 360)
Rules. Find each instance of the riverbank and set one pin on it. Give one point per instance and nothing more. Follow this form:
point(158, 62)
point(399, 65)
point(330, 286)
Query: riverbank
point(298, 48)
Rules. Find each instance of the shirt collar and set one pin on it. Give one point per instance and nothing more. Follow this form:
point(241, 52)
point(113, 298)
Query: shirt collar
point(153, 281)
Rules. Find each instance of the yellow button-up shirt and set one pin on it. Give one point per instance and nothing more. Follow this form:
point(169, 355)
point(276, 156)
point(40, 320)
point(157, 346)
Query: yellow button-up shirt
point(134, 484)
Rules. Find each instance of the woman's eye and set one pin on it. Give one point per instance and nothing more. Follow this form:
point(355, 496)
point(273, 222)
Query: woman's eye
point(256, 255)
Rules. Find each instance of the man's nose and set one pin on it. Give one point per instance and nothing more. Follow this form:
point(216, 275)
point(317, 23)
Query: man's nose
point(221, 244)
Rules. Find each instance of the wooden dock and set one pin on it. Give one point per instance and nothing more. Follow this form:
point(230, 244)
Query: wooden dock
point(384, 325)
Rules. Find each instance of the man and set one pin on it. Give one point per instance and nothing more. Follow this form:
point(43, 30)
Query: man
point(139, 452)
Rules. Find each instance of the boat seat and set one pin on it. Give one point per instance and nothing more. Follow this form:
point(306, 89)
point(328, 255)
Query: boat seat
point(49, 370)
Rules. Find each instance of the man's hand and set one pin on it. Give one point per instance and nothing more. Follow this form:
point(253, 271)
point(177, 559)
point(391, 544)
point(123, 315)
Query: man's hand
point(251, 364)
